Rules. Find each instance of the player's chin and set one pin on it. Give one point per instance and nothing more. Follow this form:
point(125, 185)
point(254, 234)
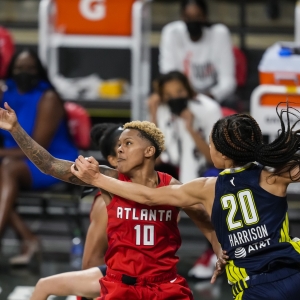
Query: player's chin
point(121, 168)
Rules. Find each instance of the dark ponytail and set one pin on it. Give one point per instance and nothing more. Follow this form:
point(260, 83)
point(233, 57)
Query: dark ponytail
point(239, 137)
point(105, 136)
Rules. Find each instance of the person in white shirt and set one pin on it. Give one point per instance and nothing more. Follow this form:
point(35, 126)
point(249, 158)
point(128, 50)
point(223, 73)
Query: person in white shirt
point(200, 50)
point(186, 119)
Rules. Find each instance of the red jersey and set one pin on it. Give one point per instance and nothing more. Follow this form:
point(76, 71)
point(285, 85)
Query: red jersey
point(142, 240)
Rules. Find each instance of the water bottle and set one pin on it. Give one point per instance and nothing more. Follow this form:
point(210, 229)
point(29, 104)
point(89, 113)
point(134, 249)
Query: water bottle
point(76, 251)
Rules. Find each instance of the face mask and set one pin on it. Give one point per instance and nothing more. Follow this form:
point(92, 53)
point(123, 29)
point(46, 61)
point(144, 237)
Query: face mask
point(178, 105)
point(195, 28)
point(26, 81)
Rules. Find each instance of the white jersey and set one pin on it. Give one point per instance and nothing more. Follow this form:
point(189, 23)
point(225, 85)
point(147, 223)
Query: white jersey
point(209, 63)
point(181, 149)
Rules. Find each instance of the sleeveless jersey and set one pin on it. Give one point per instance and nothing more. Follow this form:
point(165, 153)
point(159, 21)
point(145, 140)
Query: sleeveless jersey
point(142, 240)
point(251, 224)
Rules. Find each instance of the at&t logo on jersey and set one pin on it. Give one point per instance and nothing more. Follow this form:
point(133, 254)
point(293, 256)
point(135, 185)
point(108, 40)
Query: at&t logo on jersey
point(240, 252)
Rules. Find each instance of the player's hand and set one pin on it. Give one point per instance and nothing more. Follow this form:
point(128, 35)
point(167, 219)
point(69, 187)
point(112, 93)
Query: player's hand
point(39, 292)
point(220, 266)
point(8, 118)
point(86, 169)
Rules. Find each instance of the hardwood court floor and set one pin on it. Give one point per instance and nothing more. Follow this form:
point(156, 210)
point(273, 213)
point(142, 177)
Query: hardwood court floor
point(17, 283)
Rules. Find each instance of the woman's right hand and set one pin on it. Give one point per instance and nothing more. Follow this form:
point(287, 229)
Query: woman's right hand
point(8, 118)
point(153, 103)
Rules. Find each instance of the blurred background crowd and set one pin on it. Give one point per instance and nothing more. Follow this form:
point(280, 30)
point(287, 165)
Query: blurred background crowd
point(67, 65)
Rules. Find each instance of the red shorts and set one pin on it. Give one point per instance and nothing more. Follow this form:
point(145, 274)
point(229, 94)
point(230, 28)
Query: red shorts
point(112, 289)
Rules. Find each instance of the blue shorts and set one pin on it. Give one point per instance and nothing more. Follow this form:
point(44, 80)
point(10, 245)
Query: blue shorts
point(103, 269)
point(284, 289)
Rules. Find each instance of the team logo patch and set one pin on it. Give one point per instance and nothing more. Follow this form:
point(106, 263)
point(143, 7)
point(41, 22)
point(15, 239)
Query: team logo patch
point(240, 252)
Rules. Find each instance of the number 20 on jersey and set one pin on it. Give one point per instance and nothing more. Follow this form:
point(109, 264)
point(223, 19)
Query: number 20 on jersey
point(245, 202)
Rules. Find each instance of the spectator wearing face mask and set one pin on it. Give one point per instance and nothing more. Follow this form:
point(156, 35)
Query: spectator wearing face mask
point(186, 119)
point(41, 112)
point(200, 50)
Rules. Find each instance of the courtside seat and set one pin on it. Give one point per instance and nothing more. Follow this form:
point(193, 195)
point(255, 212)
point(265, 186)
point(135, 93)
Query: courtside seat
point(61, 199)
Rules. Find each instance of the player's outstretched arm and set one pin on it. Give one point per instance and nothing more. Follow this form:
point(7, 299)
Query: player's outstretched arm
point(43, 160)
point(187, 194)
point(80, 283)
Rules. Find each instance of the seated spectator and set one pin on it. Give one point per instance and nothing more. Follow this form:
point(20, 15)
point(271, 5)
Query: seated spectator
point(202, 51)
point(186, 120)
point(41, 112)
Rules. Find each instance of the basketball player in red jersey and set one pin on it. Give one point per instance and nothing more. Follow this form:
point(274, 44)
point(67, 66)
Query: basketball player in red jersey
point(142, 241)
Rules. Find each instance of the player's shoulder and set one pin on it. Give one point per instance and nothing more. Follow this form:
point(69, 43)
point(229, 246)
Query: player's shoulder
point(174, 181)
point(202, 182)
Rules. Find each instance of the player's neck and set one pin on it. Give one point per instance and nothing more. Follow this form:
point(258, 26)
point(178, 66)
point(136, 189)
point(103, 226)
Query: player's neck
point(146, 176)
point(229, 163)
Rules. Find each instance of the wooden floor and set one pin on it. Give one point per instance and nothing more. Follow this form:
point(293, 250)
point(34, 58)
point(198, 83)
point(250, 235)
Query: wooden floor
point(17, 283)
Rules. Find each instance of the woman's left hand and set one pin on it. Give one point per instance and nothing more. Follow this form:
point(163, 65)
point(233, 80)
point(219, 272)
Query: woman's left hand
point(220, 266)
point(188, 118)
point(86, 169)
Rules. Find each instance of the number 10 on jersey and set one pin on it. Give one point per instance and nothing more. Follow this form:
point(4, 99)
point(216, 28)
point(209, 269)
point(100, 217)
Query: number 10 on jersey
point(144, 235)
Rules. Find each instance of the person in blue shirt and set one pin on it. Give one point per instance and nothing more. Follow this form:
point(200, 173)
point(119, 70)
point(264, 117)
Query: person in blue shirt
point(247, 202)
point(42, 115)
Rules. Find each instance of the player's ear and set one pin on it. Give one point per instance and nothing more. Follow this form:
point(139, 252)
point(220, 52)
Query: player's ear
point(224, 157)
point(149, 151)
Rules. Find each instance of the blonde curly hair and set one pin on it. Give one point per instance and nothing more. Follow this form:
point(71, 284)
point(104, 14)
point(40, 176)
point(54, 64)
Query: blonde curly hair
point(149, 131)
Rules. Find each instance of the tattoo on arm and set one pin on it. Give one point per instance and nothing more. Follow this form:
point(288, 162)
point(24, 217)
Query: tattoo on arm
point(37, 154)
point(47, 163)
point(108, 171)
point(43, 159)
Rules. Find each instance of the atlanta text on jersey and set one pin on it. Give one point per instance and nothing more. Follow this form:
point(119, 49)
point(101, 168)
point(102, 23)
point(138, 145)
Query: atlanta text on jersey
point(129, 213)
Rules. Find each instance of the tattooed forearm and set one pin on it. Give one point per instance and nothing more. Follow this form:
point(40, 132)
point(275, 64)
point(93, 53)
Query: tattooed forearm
point(37, 154)
point(108, 171)
point(43, 159)
point(73, 179)
point(48, 164)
